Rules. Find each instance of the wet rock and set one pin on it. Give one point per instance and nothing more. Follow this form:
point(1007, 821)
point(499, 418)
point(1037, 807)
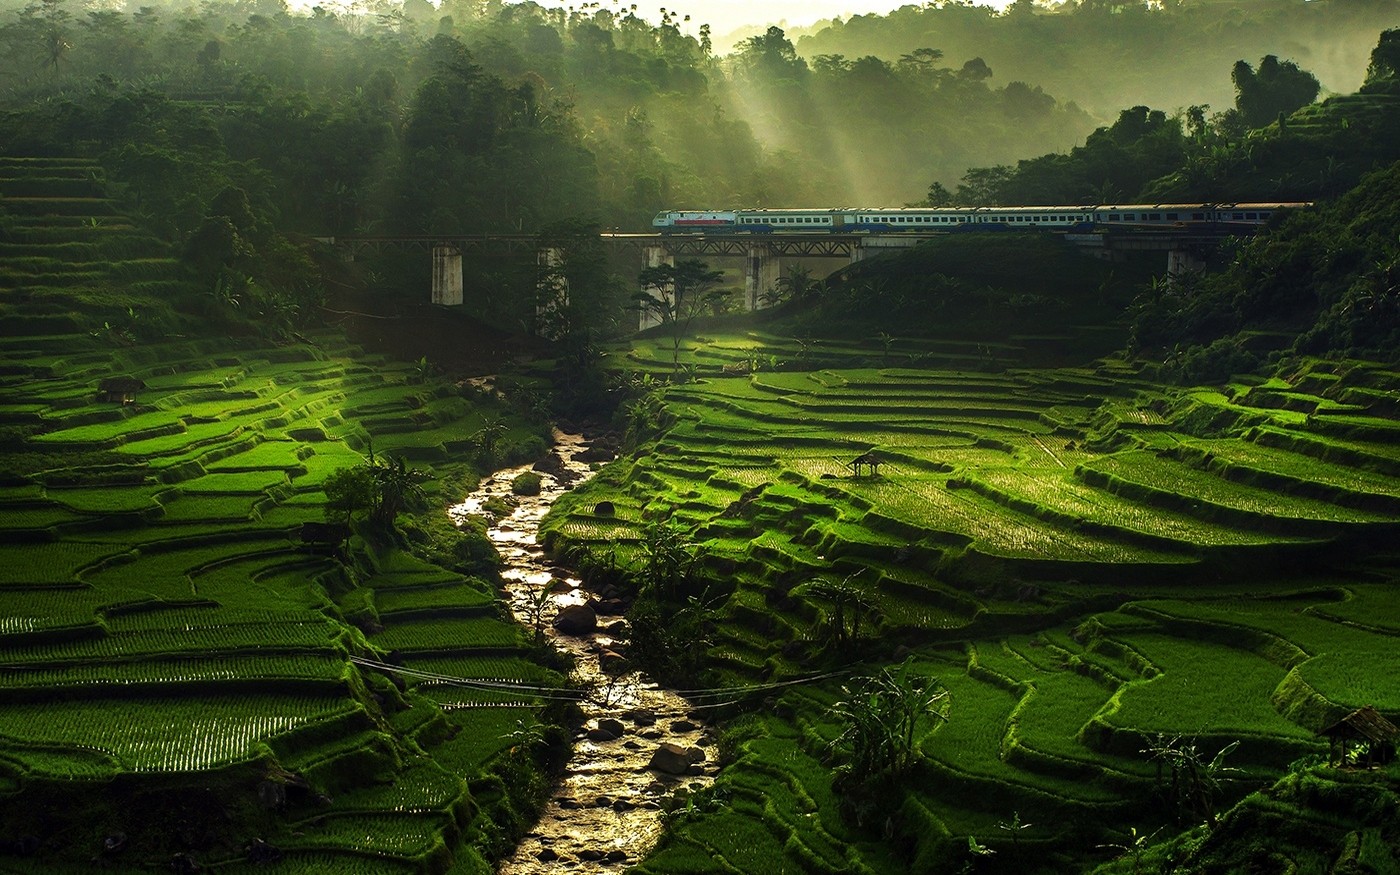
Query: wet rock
point(600, 735)
point(652, 734)
point(621, 805)
point(617, 628)
point(613, 726)
point(611, 607)
point(670, 759)
point(591, 855)
point(568, 804)
point(551, 464)
point(612, 662)
point(695, 754)
point(656, 787)
point(631, 745)
point(617, 856)
point(557, 585)
point(695, 769)
point(546, 856)
point(683, 726)
point(595, 453)
point(641, 716)
point(576, 620)
point(602, 802)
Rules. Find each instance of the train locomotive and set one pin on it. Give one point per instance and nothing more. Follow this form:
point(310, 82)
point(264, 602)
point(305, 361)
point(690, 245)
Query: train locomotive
point(953, 219)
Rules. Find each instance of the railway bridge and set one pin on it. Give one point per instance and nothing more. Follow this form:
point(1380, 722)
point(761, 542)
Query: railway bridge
point(762, 254)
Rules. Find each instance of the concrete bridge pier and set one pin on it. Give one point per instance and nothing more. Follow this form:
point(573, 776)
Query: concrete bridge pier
point(875, 244)
point(654, 256)
point(552, 289)
point(761, 273)
point(1182, 260)
point(447, 275)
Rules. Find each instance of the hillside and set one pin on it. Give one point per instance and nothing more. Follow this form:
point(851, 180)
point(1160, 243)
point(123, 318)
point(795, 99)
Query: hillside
point(1097, 571)
point(182, 668)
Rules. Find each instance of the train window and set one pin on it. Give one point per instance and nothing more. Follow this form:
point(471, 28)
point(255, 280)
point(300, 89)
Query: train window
point(1128, 217)
point(1239, 216)
point(1155, 217)
point(1251, 215)
point(1171, 217)
point(1198, 217)
point(1265, 215)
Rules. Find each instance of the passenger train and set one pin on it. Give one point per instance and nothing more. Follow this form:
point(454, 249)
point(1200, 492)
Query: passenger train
point(936, 219)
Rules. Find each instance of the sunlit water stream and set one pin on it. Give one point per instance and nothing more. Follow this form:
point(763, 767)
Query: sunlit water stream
point(606, 812)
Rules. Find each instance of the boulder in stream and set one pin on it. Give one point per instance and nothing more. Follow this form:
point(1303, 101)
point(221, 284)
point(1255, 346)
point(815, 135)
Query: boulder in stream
point(576, 620)
point(612, 662)
point(671, 759)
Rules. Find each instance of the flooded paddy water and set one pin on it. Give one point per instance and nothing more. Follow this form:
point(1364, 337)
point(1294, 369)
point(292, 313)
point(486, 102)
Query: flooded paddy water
point(640, 743)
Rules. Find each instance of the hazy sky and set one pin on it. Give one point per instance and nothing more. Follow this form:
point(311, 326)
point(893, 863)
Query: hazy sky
point(724, 16)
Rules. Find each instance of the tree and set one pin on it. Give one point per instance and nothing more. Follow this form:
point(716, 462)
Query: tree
point(847, 600)
point(673, 295)
point(1278, 88)
point(349, 490)
point(881, 721)
point(938, 195)
point(668, 558)
point(1190, 782)
point(1385, 58)
point(396, 485)
point(796, 285)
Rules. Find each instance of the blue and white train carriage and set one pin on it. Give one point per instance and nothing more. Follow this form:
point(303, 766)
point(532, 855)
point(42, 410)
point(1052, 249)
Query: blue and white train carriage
point(937, 219)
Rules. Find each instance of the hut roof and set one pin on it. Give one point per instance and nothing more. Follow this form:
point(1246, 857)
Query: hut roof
point(1366, 722)
point(121, 384)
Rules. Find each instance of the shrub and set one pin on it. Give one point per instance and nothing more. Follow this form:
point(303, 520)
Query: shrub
point(526, 483)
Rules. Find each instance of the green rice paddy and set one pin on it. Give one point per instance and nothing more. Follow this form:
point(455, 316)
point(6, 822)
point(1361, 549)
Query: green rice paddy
point(1087, 561)
point(163, 626)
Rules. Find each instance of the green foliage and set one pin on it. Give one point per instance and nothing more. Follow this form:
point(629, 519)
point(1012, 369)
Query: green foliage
point(1329, 275)
point(881, 720)
point(1275, 91)
point(673, 295)
point(350, 490)
point(526, 483)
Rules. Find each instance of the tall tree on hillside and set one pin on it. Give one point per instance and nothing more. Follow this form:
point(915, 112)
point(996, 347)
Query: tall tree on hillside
point(1277, 88)
point(1385, 58)
point(673, 295)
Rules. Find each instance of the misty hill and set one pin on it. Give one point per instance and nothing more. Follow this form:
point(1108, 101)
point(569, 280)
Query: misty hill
point(1107, 54)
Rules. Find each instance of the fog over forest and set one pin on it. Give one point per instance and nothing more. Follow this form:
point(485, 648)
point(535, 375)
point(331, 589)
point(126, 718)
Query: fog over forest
point(870, 110)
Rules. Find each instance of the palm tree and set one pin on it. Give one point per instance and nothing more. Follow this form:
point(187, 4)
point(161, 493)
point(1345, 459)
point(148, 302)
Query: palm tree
point(843, 596)
point(882, 718)
point(397, 485)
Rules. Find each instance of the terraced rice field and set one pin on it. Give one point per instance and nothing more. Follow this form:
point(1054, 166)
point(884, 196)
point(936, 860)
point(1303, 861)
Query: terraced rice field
point(161, 618)
point(1089, 563)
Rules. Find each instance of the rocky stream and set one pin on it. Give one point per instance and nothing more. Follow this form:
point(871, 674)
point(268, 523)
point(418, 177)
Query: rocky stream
point(640, 744)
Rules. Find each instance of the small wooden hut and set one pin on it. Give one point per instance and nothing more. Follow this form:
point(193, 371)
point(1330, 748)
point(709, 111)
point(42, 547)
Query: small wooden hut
point(869, 461)
point(119, 390)
point(1366, 729)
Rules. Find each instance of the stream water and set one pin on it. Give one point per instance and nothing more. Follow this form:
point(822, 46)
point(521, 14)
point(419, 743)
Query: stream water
point(605, 813)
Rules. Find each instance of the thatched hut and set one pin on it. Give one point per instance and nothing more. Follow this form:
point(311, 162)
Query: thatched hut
point(119, 390)
point(1368, 733)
